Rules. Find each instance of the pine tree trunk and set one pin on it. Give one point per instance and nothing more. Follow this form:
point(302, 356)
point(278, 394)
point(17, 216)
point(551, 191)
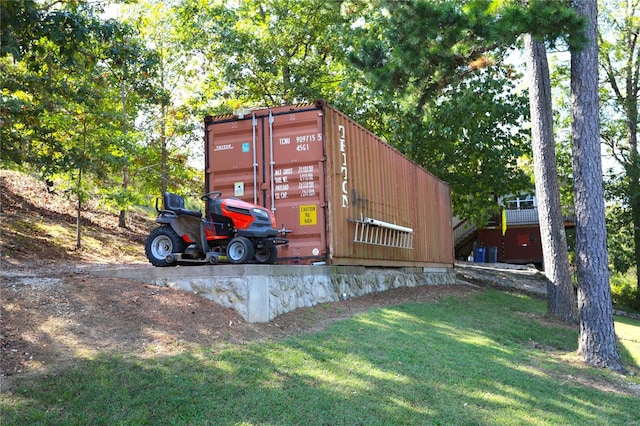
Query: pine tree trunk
point(163, 127)
point(633, 175)
point(122, 218)
point(635, 212)
point(79, 213)
point(79, 187)
point(561, 299)
point(597, 342)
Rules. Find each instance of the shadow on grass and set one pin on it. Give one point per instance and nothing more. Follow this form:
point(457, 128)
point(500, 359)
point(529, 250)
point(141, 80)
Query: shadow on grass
point(628, 341)
point(460, 361)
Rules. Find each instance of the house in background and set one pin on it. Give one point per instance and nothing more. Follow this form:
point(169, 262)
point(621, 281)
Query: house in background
point(520, 243)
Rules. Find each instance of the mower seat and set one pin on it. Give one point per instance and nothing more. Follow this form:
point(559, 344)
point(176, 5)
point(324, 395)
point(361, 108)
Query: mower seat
point(175, 203)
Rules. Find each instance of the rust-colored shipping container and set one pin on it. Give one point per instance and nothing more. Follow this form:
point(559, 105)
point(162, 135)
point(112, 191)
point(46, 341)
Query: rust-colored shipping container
point(346, 197)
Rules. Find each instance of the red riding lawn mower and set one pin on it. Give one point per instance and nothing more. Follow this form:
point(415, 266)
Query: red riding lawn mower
point(232, 230)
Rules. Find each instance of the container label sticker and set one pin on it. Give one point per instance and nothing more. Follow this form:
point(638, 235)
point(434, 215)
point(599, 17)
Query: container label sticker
point(224, 147)
point(246, 147)
point(308, 215)
point(238, 189)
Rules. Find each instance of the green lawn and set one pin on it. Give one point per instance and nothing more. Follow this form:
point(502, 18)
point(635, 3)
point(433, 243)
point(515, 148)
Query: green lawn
point(491, 358)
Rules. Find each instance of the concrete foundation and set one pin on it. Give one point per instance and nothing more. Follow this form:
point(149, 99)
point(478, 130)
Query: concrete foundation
point(260, 293)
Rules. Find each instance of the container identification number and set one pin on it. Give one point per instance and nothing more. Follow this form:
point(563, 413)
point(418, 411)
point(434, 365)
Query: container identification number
point(309, 138)
point(302, 141)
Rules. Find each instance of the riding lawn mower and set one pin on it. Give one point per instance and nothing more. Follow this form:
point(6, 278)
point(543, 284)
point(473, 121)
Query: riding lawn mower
point(231, 230)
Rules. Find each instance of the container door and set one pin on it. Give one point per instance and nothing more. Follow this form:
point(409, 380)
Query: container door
point(231, 165)
point(275, 161)
point(297, 187)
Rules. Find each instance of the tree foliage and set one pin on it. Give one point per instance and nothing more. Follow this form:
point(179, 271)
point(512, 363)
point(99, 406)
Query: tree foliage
point(74, 85)
point(471, 137)
point(620, 60)
point(429, 59)
point(265, 53)
point(420, 47)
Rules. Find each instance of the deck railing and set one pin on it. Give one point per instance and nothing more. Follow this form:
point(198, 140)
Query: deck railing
point(527, 217)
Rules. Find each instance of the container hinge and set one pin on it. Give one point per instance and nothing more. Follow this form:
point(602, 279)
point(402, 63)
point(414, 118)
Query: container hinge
point(378, 232)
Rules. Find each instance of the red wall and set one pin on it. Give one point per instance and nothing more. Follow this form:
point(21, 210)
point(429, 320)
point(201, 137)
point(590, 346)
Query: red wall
point(519, 244)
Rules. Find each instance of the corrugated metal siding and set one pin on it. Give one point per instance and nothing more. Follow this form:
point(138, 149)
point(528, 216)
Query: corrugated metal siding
point(385, 185)
point(326, 174)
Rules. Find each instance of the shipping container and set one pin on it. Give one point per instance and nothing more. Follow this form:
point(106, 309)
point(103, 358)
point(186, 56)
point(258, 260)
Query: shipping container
point(345, 196)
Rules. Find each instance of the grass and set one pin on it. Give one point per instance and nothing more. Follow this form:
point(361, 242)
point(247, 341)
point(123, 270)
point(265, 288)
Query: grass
point(491, 358)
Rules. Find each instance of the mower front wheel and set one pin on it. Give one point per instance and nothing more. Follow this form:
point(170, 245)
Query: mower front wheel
point(240, 250)
point(162, 242)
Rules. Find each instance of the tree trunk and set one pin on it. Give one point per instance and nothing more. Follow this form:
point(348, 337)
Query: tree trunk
point(79, 212)
point(79, 187)
point(597, 342)
point(122, 218)
point(633, 176)
point(561, 299)
point(163, 126)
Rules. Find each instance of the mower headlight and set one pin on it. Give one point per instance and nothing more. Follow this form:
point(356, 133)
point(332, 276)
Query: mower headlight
point(261, 214)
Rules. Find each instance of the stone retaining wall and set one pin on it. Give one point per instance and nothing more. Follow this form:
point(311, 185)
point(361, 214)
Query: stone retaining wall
point(260, 293)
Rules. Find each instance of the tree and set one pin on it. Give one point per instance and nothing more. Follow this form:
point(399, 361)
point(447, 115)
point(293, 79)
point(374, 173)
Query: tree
point(63, 105)
point(264, 53)
point(171, 116)
point(620, 59)
point(39, 44)
point(597, 342)
point(51, 101)
point(419, 50)
point(471, 138)
point(560, 295)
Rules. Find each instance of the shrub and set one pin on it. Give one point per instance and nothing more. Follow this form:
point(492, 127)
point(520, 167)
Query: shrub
point(624, 291)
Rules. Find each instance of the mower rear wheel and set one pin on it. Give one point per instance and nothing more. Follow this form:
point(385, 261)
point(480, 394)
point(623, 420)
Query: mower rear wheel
point(240, 250)
point(162, 242)
point(266, 252)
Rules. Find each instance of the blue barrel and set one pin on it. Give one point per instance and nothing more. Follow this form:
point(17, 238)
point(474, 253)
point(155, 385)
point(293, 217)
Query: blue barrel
point(492, 255)
point(480, 254)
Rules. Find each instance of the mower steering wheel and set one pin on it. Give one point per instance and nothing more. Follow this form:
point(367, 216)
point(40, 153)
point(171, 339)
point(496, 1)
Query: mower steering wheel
point(211, 196)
